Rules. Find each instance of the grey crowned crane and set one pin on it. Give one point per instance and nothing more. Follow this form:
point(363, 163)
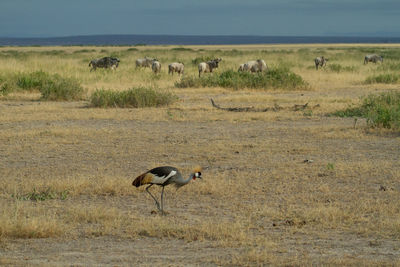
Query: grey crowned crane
point(163, 176)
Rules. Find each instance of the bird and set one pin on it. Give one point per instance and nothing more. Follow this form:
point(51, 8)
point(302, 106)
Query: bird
point(163, 176)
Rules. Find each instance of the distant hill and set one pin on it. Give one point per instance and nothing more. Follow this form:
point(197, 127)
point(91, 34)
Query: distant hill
point(118, 40)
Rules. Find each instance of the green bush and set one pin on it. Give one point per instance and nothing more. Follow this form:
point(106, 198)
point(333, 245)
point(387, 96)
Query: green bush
point(62, 89)
point(32, 81)
point(274, 78)
point(51, 87)
point(42, 195)
point(184, 49)
point(389, 66)
point(5, 87)
point(383, 78)
point(339, 68)
point(381, 110)
point(132, 98)
point(198, 60)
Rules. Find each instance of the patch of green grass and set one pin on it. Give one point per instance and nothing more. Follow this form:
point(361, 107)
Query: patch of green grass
point(334, 67)
point(198, 60)
point(42, 195)
point(62, 89)
point(51, 86)
point(80, 51)
point(280, 78)
point(32, 81)
point(184, 49)
point(383, 78)
point(381, 110)
point(133, 98)
point(389, 66)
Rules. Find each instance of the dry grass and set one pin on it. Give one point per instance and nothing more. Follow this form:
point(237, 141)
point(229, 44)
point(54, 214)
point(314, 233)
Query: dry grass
point(259, 203)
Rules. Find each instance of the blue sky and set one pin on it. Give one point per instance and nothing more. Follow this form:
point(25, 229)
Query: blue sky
point(49, 18)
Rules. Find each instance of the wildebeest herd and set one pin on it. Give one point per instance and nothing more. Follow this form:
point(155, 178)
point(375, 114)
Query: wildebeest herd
point(258, 65)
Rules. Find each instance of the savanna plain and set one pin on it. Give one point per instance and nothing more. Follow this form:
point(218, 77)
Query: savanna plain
point(286, 186)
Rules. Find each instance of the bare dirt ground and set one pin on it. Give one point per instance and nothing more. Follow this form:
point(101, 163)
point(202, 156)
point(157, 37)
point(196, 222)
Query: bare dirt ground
point(325, 211)
point(280, 188)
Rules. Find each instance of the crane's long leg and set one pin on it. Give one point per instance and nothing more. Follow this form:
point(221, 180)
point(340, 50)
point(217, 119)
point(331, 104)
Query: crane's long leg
point(147, 189)
point(162, 200)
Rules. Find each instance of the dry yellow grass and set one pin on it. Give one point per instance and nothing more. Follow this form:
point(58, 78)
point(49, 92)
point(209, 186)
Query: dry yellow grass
point(259, 203)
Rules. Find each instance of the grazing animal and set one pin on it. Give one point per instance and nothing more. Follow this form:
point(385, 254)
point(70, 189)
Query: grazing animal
point(209, 65)
point(320, 61)
point(156, 66)
point(260, 66)
point(372, 58)
point(145, 62)
point(163, 176)
point(254, 66)
point(105, 62)
point(176, 67)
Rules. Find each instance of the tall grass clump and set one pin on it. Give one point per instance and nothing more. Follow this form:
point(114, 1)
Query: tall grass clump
point(32, 81)
point(339, 68)
point(276, 78)
point(392, 66)
point(62, 89)
point(198, 60)
point(383, 78)
point(133, 98)
point(381, 110)
point(51, 86)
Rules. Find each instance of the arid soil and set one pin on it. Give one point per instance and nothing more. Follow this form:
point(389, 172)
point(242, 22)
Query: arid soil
point(282, 188)
point(272, 178)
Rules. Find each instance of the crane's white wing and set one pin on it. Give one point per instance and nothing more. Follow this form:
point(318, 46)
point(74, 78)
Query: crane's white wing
point(162, 179)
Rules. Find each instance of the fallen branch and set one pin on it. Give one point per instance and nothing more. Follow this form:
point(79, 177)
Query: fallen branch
point(276, 107)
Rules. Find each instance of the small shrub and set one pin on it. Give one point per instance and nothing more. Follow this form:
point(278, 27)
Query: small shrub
point(32, 81)
point(198, 60)
point(274, 78)
point(59, 88)
point(381, 110)
point(184, 49)
point(84, 51)
point(5, 88)
point(339, 68)
point(52, 87)
point(187, 82)
point(389, 66)
point(383, 78)
point(132, 98)
point(42, 195)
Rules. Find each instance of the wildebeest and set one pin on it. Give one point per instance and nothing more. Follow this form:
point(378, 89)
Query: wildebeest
point(156, 66)
point(254, 66)
point(209, 65)
point(320, 61)
point(144, 62)
point(176, 67)
point(105, 62)
point(372, 58)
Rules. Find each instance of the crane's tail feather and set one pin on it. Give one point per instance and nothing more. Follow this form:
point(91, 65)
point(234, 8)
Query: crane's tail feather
point(142, 179)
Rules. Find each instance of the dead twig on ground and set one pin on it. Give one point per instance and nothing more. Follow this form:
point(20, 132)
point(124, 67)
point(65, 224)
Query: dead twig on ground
point(276, 107)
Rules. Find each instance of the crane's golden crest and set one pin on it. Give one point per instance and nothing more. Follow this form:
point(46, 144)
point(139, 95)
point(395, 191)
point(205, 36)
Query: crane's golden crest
point(197, 169)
